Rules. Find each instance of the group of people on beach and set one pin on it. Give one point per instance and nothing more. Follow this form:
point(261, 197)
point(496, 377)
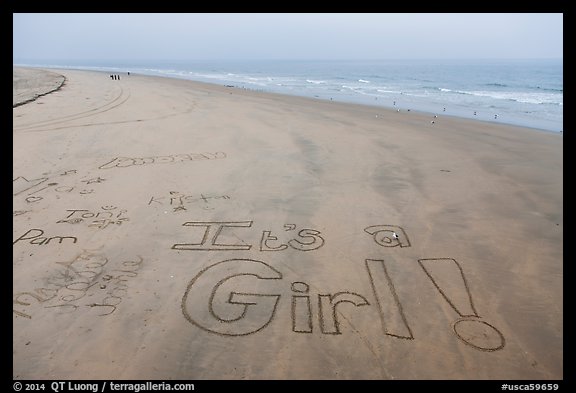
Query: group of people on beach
point(116, 77)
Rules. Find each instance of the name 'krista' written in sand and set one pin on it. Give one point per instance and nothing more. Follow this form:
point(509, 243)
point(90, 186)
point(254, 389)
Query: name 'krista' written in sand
point(177, 200)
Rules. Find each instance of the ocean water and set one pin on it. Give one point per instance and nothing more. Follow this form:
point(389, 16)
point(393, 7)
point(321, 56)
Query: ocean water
point(528, 93)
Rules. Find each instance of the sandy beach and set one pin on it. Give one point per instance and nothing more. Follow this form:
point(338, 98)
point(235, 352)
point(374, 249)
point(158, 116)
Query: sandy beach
point(28, 84)
point(170, 229)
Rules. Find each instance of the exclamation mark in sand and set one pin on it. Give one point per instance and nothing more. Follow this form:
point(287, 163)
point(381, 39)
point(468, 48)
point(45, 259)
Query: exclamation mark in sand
point(448, 277)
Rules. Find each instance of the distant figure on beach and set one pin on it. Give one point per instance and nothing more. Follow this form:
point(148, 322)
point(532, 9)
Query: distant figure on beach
point(394, 103)
point(444, 110)
point(128, 72)
point(474, 113)
point(495, 116)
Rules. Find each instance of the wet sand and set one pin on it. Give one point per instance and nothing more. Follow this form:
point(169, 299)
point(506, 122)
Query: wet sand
point(169, 229)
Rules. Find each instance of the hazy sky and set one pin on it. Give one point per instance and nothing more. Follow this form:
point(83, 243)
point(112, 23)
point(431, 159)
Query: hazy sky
point(285, 36)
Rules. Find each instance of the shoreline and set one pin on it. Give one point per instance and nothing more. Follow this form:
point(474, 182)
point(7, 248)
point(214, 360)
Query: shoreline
point(235, 234)
point(383, 107)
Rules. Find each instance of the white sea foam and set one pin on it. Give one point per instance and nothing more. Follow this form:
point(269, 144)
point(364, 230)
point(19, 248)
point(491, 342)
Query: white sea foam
point(524, 97)
point(389, 91)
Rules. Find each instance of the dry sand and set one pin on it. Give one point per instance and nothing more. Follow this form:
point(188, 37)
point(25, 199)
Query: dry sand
point(28, 84)
point(168, 229)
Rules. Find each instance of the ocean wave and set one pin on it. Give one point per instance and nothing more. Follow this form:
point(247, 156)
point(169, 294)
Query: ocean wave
point(315, 82)
point(526, 98)
point(548, 89)
point(363, 81)
point(388, 91)
point(259, 79)
point(539, 88)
